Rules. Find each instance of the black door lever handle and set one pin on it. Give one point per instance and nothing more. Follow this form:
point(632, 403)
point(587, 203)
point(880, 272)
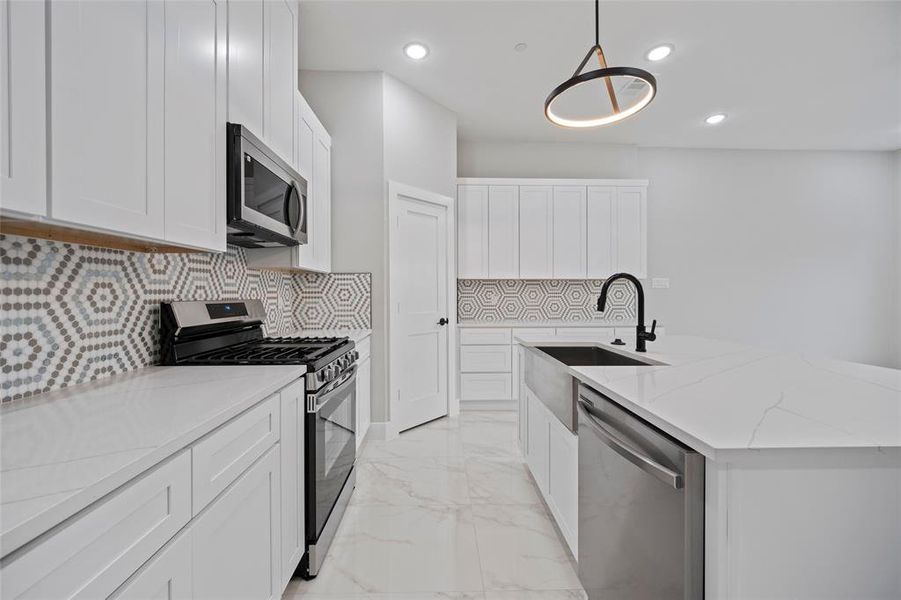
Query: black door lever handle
point(443, 321)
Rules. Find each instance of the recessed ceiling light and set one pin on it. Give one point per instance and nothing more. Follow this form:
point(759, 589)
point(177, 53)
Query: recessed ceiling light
point(715, 119)
point(416, 51)
point(659, 53)
point(521, 47)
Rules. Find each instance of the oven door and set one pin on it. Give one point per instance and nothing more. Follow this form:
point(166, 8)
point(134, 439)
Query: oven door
point(331, 448)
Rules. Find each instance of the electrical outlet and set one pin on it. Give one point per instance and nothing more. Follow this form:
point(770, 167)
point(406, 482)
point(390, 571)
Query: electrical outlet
point(660, 282)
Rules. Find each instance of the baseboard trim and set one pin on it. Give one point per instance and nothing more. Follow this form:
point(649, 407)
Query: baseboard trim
point(384, 431)
point(466, 405)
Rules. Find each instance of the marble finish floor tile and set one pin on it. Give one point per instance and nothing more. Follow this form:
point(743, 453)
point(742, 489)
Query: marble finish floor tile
point(447, 511)
point(520, 549)
point(412, 481)
point(381, 549)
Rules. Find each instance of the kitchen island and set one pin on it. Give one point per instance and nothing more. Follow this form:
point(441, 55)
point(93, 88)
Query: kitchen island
point(803, 461)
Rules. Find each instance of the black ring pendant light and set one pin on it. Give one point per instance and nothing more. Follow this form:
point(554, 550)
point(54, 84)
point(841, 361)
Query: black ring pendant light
point(606, 72)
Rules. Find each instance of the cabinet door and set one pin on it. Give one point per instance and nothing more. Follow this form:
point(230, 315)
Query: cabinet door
point(472, 231)
point(280, 74)
point(631, 230)
point(321, 226)
point(364, 404)
point(166, 576)
point(563, 480)
point(293, 409)
point(307, 124)
point(536, 232)
point(245, 64)
point(195, 103)
point(520, 396)
point(23, 116)
point(601, 232)
point(569, 232)
point(106, 106)
point(503, 231)
point(537, 457)
point(236, 546)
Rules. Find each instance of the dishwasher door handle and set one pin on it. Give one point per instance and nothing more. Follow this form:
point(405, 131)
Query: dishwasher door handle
point(624, 449)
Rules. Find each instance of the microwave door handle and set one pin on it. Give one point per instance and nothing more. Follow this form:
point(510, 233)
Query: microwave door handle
point(315, 402)
point(618, 445)
point(290, 195)
point(286, 209)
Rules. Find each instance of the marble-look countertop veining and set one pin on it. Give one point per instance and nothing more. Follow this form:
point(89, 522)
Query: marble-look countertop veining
point(63, 450)
point(357, 335)
point(726, 399)
point(526, 324)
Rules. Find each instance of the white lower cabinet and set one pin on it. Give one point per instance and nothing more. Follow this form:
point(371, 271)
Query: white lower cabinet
point(293, 418)
point(166, 576)
point(364, 399)
point(236, 542)
point(552, 455)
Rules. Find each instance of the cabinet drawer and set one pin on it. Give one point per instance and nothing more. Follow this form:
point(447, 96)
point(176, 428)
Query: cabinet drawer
point(594, 334)
point(94, 552)
point(484, 336)
point(220, 457)
point(485, 359)
point(363, 348)
point(486, 386)
point(534, 332)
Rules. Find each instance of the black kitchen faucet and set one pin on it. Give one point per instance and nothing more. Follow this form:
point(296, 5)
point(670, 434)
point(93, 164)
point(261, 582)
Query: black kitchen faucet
point(642, 335)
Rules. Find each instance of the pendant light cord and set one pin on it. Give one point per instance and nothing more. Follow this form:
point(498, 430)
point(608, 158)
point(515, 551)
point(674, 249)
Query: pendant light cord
point(597, 24)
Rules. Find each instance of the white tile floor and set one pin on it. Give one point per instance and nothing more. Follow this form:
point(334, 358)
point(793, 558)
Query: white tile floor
point(446, 511)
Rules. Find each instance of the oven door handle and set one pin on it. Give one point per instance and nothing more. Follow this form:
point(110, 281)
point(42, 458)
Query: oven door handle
point(315, 402)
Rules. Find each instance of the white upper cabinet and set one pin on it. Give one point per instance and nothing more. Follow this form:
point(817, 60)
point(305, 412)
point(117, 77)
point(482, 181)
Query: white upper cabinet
point(195, 105)
point(280, 75)
point(106, 107)
point(601, 231)
point(23, 117)
point(246, 64)
point(617, 230)
point(321, 224)
point(570, 233)
point(503, 231)
point(536, 231)
point(631, 230)
point(551, 229)
point(472, 231)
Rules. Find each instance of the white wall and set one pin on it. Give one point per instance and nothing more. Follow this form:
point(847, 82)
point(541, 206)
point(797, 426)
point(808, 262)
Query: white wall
point(381, 129)
point(797, 250)
point(420, 140)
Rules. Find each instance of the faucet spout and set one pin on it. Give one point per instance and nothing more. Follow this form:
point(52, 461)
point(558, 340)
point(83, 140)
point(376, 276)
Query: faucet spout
point(642, 335)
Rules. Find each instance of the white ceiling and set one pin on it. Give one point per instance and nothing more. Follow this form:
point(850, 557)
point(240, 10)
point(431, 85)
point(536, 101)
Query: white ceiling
point(790, 75)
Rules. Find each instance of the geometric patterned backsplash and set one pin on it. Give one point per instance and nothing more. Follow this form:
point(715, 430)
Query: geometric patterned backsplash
point(71, 314)
point(542, 300)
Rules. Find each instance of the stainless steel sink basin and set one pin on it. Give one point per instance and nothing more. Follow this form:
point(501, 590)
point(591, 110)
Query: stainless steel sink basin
point(586, 356)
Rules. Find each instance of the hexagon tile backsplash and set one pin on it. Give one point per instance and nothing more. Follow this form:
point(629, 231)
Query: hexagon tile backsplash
point(70, 313)
point(542, 300)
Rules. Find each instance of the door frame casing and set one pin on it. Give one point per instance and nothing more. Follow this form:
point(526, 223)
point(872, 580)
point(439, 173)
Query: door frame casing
point(395, 191)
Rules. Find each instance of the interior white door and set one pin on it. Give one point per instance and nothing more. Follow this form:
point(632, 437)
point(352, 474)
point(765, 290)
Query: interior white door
point(419, 297)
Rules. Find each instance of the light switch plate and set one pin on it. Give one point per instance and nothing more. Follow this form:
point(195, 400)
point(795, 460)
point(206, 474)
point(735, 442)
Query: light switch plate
point(660, 282)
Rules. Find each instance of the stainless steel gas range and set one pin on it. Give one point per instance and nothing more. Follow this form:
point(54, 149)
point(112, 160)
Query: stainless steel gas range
point(231, 333)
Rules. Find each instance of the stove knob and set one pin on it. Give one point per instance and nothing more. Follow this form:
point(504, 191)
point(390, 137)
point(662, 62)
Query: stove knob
point(356, 355)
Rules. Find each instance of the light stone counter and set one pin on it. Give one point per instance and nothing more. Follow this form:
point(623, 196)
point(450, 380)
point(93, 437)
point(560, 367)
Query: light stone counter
point(63, 450)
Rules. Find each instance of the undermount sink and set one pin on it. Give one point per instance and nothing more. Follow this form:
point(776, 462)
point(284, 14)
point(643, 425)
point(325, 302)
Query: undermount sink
point(586, 356)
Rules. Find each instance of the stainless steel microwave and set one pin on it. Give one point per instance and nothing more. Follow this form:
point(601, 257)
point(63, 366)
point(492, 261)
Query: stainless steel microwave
point(267, 198)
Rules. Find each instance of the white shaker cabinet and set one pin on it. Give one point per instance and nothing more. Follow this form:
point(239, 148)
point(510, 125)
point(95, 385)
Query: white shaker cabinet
point(472, 231)
point(23, 117)
point(321, 223)
point(503, 231)
point(166, 576)
point(280, 76)
point(601, 231)
point(246, 64)
point(570, 232)
point(236, 543)
point(617, 230)
point(107, 114)
point(536, 231)
point(195, 107)
point(293, 532)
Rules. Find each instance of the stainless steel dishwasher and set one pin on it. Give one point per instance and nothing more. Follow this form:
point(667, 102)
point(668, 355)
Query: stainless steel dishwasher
point(641, 507)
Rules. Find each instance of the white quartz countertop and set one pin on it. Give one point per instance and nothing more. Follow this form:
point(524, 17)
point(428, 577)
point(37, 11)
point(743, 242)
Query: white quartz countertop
point(726, 399)
point(357, 335)
point(63, 450)
point(526, 324)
